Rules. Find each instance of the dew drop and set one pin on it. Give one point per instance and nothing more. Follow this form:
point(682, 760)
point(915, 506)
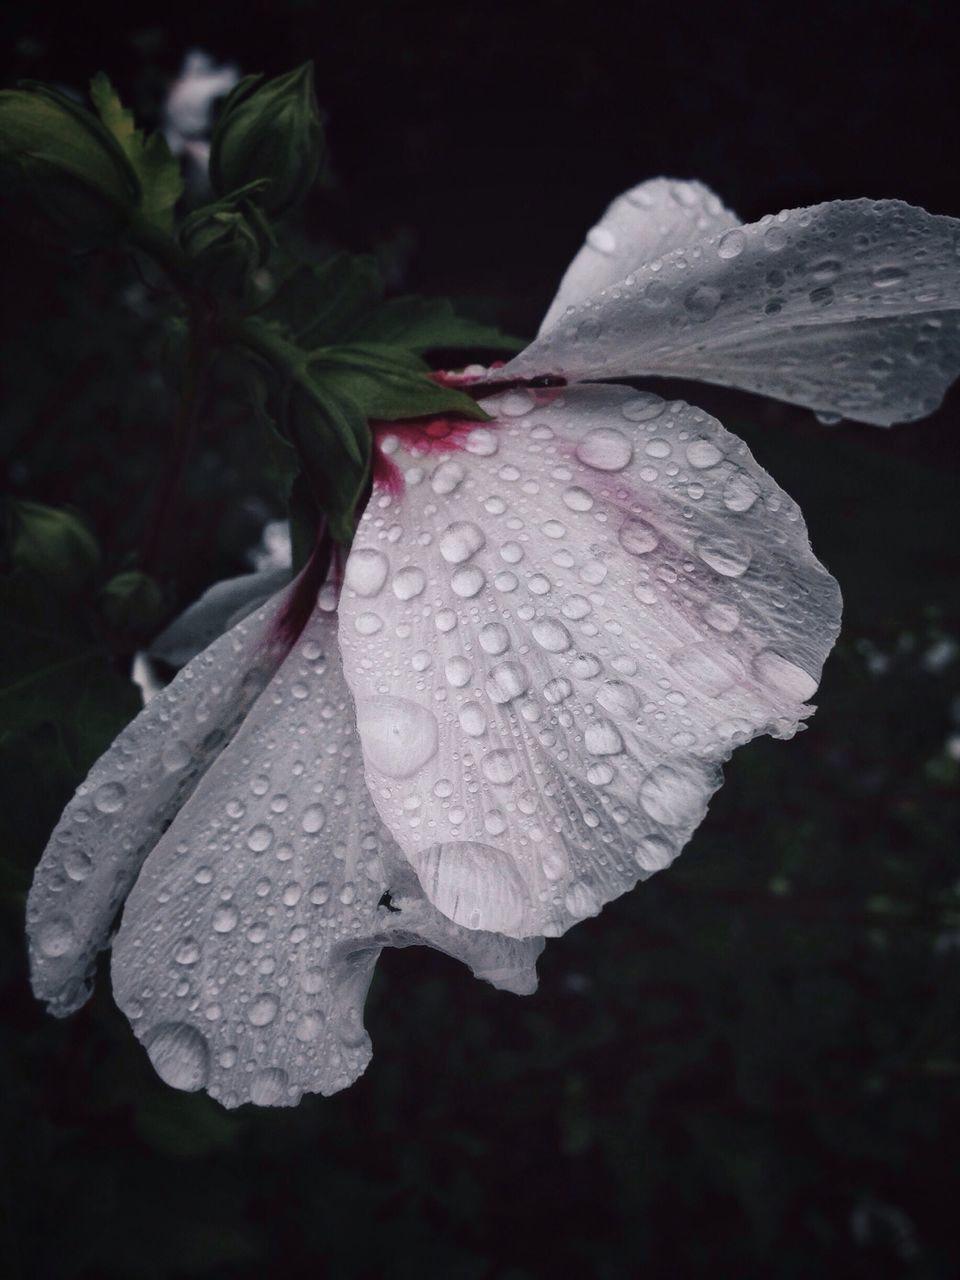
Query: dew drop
point(506, 681)
point(731, 245)
point(260, 838)
point(398, 736)
point(110, 797)
point(225, 918)
point(494, 638)
point(619, 699)
point(500, 767)
point(643, 407)
point(472, 720)
point(551, 635)
point(314, 817)
point(409, 582)
point(458, 672)
point(784, 676)
point(56, 936)
point(728, 556)
point(605, 449)
point(268, 1088)
point(180, 1055)
point(366, 571)
point(637, 537)
point(674, 796)
point(602, 739)
point(460, 540)
point(467, 582)
point(262, 1010)
point(702, 454)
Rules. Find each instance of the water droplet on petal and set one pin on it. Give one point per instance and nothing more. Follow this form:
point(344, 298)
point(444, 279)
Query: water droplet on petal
point(643, 407)
point(409, 582)
point(728, 556)
point(500, 767)
point(460, 540)
point(605, 449)
point(180, 1055)
point(601, 738)
point(262, 1010)
point(637, 537)
point(56, 936)
point(784, 676)
point(398, 736)
point(366, 571)
point(551, 635)
point(674, 796)
point(110, 797)
point(732, 244)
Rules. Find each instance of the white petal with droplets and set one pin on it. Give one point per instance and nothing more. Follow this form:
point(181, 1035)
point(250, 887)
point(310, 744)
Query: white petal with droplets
point(131, 794)
point(566, 736)
point(640, 226)
point(851, 308)
point(249, 941)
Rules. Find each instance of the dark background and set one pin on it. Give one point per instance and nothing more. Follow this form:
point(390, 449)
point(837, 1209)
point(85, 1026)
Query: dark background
point(748, 1067)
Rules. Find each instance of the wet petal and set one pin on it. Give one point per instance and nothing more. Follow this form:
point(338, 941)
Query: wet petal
point(219, 609)
point(641, 225)
point(249, 941)
point(126, 802)
point(612, 597)
point(851, 308)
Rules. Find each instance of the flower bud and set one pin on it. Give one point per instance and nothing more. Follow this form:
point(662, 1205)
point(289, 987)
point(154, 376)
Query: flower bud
point(226, 245)
point(67, 163)
point(132, 602)
point(270, 131)
point(52, 543)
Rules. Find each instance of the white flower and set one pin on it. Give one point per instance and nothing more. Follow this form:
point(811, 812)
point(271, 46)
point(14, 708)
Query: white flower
point(188, 110)
point(554, 627)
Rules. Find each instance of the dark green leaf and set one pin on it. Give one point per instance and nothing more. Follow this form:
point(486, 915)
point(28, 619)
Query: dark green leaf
point(318, 304)
point(431, 324)
point(159, 174)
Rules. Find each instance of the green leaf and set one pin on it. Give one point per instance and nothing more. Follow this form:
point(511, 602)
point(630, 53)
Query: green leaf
point(318, 303)
point(158, 172)
point(55, 673)
point(431, 324)
point(388, 383)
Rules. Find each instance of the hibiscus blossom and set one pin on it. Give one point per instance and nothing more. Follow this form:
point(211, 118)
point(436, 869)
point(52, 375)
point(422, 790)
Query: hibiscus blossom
point(554, 627)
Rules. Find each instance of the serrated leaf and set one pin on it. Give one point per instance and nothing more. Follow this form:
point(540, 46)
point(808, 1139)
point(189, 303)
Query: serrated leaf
point(159, 174)
point(431, 324)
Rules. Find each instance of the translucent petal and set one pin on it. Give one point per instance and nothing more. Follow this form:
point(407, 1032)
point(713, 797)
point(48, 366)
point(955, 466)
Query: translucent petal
point(250, 938)
point(643, 224)
point(568, 642)
point(126, 802)
point(850, 308)
point(220, 607)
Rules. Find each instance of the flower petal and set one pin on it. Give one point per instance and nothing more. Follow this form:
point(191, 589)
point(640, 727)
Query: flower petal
point(565, 637)
point(641, 225)
point(249, 941)
point(129, 797)
point(849, 308)
point(219, 609)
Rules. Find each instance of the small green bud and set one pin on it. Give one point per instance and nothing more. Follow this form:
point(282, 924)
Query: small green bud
point(132, 602)
point(67, 162)
point(226, 243)
point(270, 131)
point(52, 543)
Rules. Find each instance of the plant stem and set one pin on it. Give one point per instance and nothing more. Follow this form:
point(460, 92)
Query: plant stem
point(185, 427)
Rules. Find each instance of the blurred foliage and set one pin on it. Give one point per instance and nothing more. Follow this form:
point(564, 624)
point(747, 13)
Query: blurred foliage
point(748, 1067)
